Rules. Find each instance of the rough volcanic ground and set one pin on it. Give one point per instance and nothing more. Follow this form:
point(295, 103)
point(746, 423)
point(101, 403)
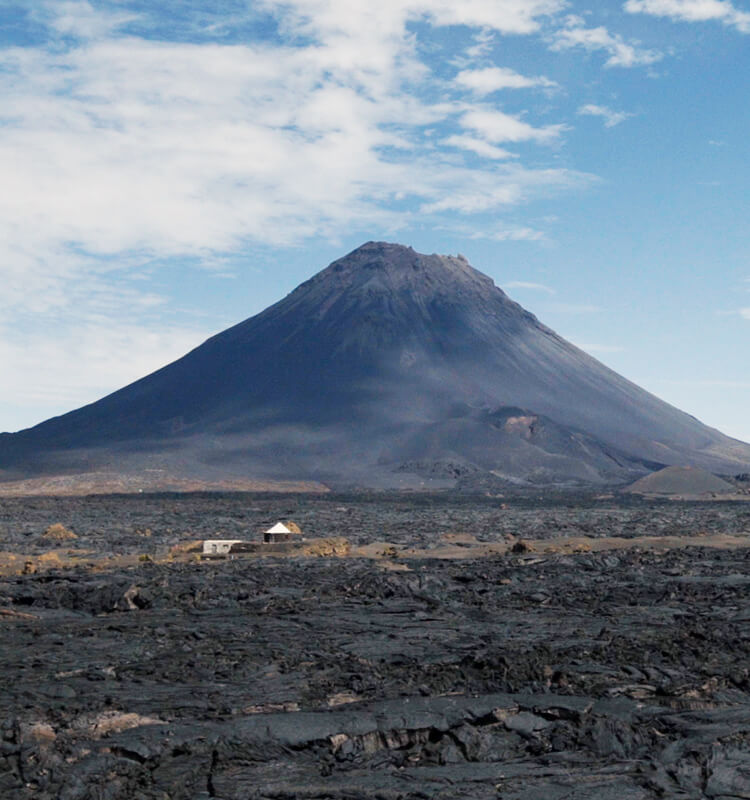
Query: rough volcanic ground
point(527, 675)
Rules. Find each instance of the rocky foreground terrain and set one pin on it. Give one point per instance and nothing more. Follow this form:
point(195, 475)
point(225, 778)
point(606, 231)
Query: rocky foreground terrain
point(132, 670)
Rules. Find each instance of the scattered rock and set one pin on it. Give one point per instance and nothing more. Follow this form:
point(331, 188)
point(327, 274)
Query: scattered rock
point(591, 675)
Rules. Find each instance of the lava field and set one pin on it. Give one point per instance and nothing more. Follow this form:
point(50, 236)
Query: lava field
point(586, 675)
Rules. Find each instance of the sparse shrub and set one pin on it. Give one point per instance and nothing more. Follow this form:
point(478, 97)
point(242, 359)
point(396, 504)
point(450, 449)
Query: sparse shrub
point(58, 533)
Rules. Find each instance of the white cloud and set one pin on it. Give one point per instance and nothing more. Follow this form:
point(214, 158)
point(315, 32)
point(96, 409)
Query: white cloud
point(496, 232)
point(535, 287)
point(517, 234)
point(610, 117)
point(362, 19)
point(505, 16)
point(80, 19)
point(492, 79)
point(484, 41)
point(506, 185)
point(693, 11)
point(745, 312)
point(478, 146)
point(496, 126)
point(621, 53)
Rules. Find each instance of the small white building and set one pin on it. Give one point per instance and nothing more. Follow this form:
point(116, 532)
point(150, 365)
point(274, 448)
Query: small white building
point(281, 532)
point(218, 547)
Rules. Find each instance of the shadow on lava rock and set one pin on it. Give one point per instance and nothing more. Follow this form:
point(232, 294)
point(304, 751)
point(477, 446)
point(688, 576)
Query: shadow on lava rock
point(577, 674)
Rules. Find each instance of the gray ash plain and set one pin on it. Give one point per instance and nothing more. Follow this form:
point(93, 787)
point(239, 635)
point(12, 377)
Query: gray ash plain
point(615, 674)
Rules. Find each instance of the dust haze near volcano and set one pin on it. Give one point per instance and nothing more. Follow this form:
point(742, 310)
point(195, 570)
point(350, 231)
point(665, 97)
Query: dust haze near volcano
point(388, 368)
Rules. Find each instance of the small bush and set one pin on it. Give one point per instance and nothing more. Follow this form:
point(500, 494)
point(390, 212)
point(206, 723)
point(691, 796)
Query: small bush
point(58, 533)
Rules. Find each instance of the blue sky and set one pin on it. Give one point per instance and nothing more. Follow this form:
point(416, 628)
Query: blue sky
point(171, 168)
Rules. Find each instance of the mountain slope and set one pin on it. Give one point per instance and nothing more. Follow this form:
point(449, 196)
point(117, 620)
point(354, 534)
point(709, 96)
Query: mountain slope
point(386, 361)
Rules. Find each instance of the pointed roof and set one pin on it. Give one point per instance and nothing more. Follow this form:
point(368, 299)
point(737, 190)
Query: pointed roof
point(279, 527)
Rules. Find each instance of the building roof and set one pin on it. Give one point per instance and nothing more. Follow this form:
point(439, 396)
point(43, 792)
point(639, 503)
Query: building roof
point(279, 527)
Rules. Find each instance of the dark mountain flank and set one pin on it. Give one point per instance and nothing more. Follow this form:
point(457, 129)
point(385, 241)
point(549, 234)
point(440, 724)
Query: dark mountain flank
point(387, 368)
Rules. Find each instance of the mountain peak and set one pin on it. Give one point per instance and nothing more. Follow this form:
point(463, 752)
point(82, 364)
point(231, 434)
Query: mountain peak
point(387, 361)
point(395, 267)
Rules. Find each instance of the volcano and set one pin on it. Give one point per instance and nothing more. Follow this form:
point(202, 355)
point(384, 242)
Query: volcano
point(388, 368)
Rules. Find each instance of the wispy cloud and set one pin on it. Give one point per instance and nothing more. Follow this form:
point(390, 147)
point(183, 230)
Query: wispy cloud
point(745, 312)
point(610, 117)
point(621, 53)
point(535, 287)
point(478, 146)
point(600, 348)
point(506, 185)
point(518, 234)
point(693, 11)
point(363, 19)
point(483, 42)
point(493, 79)
point(497, 232)
point(497, 126)
point(79, 18)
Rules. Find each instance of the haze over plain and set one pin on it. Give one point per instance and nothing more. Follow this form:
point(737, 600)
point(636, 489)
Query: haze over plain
point(170, 171)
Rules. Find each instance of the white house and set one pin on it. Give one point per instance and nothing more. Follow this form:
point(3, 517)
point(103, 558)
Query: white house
point(217, 547)
point(281, 532)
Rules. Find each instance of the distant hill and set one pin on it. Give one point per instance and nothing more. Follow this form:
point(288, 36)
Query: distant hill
point(682, 481)
point(387, 369)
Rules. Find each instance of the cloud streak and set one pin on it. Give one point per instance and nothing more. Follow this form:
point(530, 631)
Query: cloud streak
point(492, 79)
point(601, 348)
point(611, 118)
point(575, 35)
point(693, 11)
point(499, 127)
